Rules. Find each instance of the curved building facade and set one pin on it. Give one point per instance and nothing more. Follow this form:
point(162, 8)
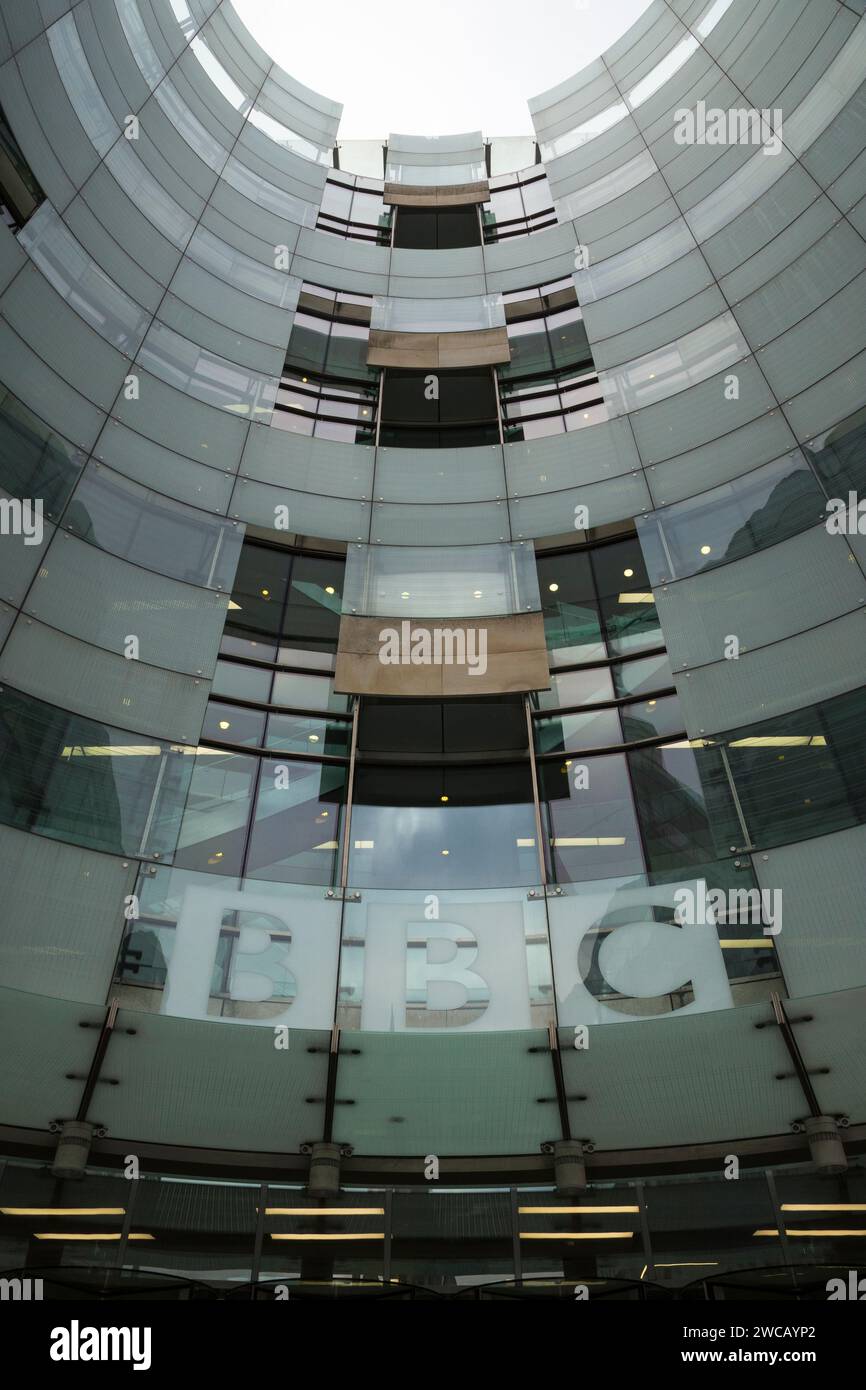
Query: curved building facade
point(432, 664)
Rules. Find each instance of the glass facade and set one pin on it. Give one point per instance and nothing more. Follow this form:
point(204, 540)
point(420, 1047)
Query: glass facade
point(399, 989)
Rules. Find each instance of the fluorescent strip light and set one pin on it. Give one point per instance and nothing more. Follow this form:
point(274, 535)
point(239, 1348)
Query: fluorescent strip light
point(324, 1211)
point(323, 1235)
point(790, 1232)
point(734, 945)
point(824, 1206)
point(569, 842)
point(84, 1235)
point(63, 1211)
point(572, 1211)
point(637, 598)
point(576, 1235)
point(781, 741)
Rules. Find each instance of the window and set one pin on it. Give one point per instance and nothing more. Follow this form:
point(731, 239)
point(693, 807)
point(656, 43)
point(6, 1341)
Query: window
point(461, 411)
point(432, 229)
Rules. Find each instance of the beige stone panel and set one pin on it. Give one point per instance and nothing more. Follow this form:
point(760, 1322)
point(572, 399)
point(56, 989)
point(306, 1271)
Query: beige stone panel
point(412, 195)
point(480, 347)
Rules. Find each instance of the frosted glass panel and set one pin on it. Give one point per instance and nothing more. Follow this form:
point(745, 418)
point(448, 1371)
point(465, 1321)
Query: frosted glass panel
point(150, 530)
point(148, 194)
point(81, 86)
point(809, 577)
point(242, 271)
point(184, 365)
point(199, 139)
point(448, 582)
point(139, 42)
point(95, 596)
point(691, 359)
point(635, 263)
point(438, 315)
point(579, 134)
point(102, 686)
point(85, 287)
point(265, 194)
point(738, 192)
point(62, 916)
point(662, 72)
point(612, 185)
point(439, 475)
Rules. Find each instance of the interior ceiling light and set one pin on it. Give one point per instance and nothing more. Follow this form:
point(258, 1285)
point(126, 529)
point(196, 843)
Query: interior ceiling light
point(826, 1233)
point(225, 724)
point(405, 593)
point(443, 798)
point(85, 1235)
point(329, 589)
point(446, 851)
point(63, 1211)
point(266, 593)
point(313, 738)
point(234, 606)
point(706, 549)
point(637, 598)
point(554, 588)
point(572, 842)
point(628, 573)
point(824, 1206)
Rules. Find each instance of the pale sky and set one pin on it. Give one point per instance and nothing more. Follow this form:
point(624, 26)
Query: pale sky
point(435, 67)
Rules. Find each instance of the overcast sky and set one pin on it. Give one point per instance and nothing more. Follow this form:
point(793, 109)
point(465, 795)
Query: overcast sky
point(435, 67)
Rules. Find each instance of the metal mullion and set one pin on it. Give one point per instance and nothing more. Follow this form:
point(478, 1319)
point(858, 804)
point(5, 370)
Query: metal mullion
point(127, 1223)
point(347, 813)
point(259, 1239)
point(610, 748)
point(536, 800)
point(615, 703)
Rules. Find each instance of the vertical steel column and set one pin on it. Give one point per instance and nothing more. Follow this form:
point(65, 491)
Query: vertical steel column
point(780, 1224)
point(259, 1237)
point(347, 815)
point(533, 771)
point(386, 1254)
point(515, 1236)
point(644, 1229)
point(127, 1223)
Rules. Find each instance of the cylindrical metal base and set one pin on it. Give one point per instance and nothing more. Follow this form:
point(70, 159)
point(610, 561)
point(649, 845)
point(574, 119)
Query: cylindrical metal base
point(324, 1180)
point(569, 1167)
point(825, 1146)
point(73, 1149)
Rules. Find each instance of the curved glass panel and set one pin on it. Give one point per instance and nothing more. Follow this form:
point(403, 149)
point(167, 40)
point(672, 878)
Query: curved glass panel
point(73, 779)
point(441, 581)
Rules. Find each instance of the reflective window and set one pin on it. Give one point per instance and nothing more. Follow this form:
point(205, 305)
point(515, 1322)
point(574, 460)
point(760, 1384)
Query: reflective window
point(73, 779)
point(768, 505)
point(20, 192)
point(297, 824)
point(34, 461)
point(448, 826)
point(591, 825)
point(518, 205)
